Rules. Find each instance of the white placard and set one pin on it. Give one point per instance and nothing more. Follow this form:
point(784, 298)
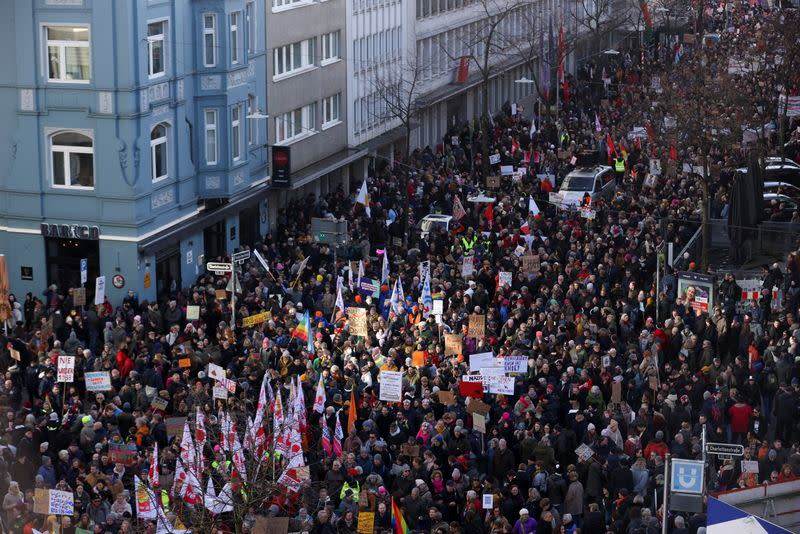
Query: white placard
point(506, 170)
point(192, 313)
point(495, 370)
point(467, 266)
point(220, 392)
point(66, 369)
point(750, 466)
point(98, 381)
point(494, 159)
point(501, 384)
point(480, 360)
point(215, 372)
point(391, 386)
point(515, 364)
point(484, 380)
point(488, 501)
point(504, 279)
point(438, 307)
point(99, 290)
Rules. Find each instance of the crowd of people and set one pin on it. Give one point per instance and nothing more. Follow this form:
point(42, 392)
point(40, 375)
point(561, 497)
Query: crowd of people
point(631, 370)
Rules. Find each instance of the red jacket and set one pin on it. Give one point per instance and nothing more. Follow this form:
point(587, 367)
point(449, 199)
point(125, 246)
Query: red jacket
point(658, 447)
point(740, 417)
point(124, 364)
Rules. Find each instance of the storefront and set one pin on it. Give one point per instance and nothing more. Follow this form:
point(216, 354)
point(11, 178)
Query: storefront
point(65, 246)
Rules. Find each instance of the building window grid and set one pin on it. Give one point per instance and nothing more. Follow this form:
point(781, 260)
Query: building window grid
point(68, 53)
point(296, 124)
point(211, 136)
point(236, 134)
point(210, 40)
point(293, 57)
point(252, 27)
point(72, 160)
point(234, 33)
point(330, 46)
point(155, 48)
point(330, 109)
point(158, 152)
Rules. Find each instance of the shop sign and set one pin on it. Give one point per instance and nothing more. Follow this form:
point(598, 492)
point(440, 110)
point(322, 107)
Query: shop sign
point(71, 231)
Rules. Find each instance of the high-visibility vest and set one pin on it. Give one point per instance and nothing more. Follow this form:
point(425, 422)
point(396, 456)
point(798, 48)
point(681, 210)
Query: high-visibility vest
point(619, 164)
point(356, 490)
point(469, 244)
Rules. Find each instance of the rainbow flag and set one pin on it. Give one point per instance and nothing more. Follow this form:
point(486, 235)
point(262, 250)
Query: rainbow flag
point(398, 521)
point(301, 331)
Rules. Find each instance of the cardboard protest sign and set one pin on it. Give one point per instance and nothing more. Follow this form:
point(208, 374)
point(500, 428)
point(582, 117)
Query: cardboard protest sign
point(14, 353)
point(192, 313)
point(479, 422)
point(447, 398)
point(41, 501)
point(453, 344)
point(530, 264)
point(477, 326)
point(480, 360)
point(366, 522)
point(358, 321)
point(515, 364)
point(477, 406)
point(391, 383)
point(98, 381)
point(66, 369)
point(221, 294)
point(183, 363)
point(750, 466)
point(79, 296)
point(122, 453)
point(159, 403)
point(412, 451)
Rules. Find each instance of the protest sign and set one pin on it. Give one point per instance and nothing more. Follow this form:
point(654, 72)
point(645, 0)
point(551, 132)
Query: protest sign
point(122, 453)
point(530, 264)
point(418, 358)
point(215, 372)
point(175, 427)
point(391, 386)
point(228, 384)
point(467, 266)
point(477, 379)
point(14, 353)
point(98, 381)
point(66, 369)
point(60, 503)
point(447, 398)
point(438, 307)
point(479, 423)
point(493, 182)
point(478, 406)
point(99, 290)
point(501, 384)
point(750, 466)
point(584, 452)
point(494, 159)
point(477, 326)
point(470, 389)
point(79, 296)
point(252, 320)
point(358, 321)
point(616, 392)
point(221, 294)
point(371, 287)
point(220, 392)
point(488, 501)
point(452, 344)
point(366, 522)
point(192, 313)
point(412, 451)
point(159, 403)
point(183, 363)
point(480, 360)
point(515, 364)
point(496, 369)
point(41, 501)
point(506, 170)
point(504, 279)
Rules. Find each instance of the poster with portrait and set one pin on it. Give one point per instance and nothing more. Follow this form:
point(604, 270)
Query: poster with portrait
point(696, 290)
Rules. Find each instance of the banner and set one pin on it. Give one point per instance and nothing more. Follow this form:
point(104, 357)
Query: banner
point(98, 381)
point(391, 386)
point(515, 364)
point(66, 369)
point(358, 321)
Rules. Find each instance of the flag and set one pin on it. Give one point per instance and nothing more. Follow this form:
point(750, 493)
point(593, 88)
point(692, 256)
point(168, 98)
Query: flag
point(363, 198)
point(514, 145)
point(597, 126)
point(302, 267)
point(673, 153)
point(153, 476)
point(352, 415)
point(648, 21)
point(326, 437)
point(310, 348)
point(338, 436)
point(566, 91)
point(360, 273)
point(610, 145)
point(385, 267)
point(238, 458)
point(639, 144)
point(561, 57)
point(300, 407)
point(427, 297)
point(320, 398)
point(525, 229)
point(533, 128)
point(258, 436)
point(278, 419)
point(458, 209)
point(623, 149)
point(550, 52)
point(301, 331)
point(794, 106)
point(543, 77)
point(261, 260)
point(401, 296)
point(350, 282)
point(145, 500)
point(217, 504)
point(398, 521)
point(339, 298)
point(200, 438)
point(488, 213)
point(186, 469)
point(651, 133)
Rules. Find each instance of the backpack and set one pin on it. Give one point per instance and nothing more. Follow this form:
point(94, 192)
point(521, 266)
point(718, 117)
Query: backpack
point(540, 482)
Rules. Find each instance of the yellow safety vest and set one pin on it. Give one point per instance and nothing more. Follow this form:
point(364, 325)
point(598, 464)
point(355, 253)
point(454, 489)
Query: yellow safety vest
point(619, 164)
point(356, 490)
point(469, 244)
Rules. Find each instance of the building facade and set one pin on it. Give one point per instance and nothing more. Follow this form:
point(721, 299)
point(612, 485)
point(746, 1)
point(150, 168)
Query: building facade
point(307, 84)
point(129, 140)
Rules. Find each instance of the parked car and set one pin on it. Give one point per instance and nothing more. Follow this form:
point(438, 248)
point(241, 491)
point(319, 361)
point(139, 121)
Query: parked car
point(596, 182)
point(775, 171)
point(434, 220)
point(783, 188)
point(779, 207)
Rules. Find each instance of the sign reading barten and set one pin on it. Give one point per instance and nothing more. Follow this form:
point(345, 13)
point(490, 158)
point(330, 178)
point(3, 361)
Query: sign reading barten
point(71, 231)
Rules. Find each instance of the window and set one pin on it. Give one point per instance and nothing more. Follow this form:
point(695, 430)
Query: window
point(72, 160)
point(330, 47)
point(155, 48)
point(210, 40)
point(296, 124)
point(330, 110)
point(287, 3)
point(236, 139)
point(211, 137)
point(68, 53)
point(235, 37)
point(252, 126)
point(158, 152)
point(294, 57)
point(250, 14)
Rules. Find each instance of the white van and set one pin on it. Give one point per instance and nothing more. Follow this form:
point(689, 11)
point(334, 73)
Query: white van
point(597, 182)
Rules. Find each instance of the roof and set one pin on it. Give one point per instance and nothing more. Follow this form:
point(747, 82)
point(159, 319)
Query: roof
point(724, 518)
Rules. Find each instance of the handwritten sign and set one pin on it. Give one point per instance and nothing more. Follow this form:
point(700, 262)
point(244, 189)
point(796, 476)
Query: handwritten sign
point(480, 360)
point(530, 264)
point(488, 501)
point(358, 321)
point(192, 313)
point(159, 403)
point(41, 501)
point(66, 369)
point(418, 358)
point(79, 296)
point(122, 453)
point(479, 423)
point(477, 326)
point(215, 372)
point(515, 364)
point(258, 318)
point(503, 385)
point(447, 398)
point(452, 344)
point(185, 363)
point(584, 452)
point(750, 466)
point(494, 159)
point(221, 294)
point(228, 384)
point(220, 392)
point(504, 279)
point(366, 522)
point(98, 381)
point(391, 386)
point(477, 406)
point(467, 266)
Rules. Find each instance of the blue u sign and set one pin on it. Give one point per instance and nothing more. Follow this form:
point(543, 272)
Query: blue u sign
point(687, 476)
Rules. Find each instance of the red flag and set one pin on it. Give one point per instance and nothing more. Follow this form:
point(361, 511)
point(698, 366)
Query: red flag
point(639, 144)
point(471, 389)
point(514, 146)
point(489, 214)
point(351, 414)
point(673, 153)
point(610, 145)
point(525, 228)
point(651, 133)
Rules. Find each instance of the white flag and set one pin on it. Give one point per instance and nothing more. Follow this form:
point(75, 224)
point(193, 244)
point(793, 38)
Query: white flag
point(533, 207)
point(427, 298)
point(339, 299)
point(320, 398)
point(360, 272)
point(533, 127)
point(363, 198)
point(350, 276)
point(385, 269)
point(261, 260)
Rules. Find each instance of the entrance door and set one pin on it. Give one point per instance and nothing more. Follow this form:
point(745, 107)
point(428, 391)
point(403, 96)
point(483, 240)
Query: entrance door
point(249, 226)
point(214, 241)
point(63, 257)
point(168, 273)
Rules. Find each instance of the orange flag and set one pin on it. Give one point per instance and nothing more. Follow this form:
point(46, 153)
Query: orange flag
point(351, 416)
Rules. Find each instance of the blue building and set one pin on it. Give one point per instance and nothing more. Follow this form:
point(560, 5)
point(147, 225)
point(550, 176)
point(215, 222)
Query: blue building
point(132, 137)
